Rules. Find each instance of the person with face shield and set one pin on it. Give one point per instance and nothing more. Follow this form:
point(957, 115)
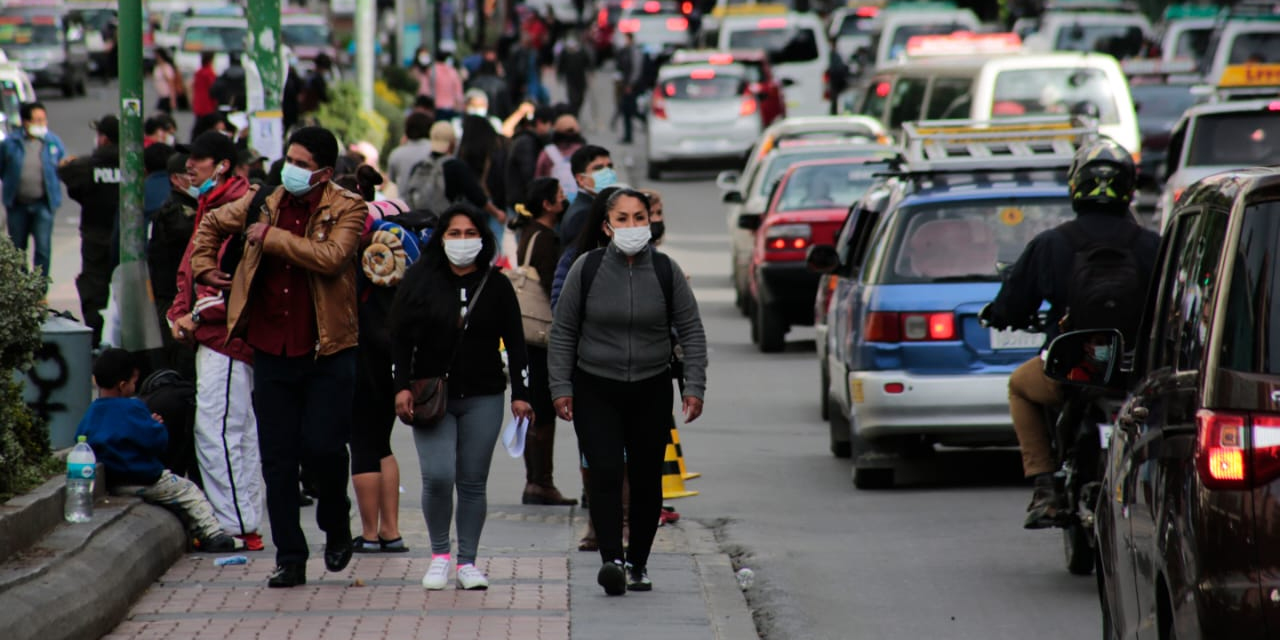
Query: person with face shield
point(94, 182)
point(293, 301)
point(539, 250)
point(609, 365)
point(450, 312)
point(226, 429)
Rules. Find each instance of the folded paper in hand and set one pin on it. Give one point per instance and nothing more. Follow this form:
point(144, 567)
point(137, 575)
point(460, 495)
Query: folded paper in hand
point(513, 436)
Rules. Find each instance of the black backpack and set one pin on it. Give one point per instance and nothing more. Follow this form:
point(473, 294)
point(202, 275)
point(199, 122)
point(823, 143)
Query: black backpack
point(666, 280)
point(173, 398)
point(1108, 287)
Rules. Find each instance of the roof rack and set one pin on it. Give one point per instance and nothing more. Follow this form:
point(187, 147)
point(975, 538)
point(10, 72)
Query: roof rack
point(1030, 142)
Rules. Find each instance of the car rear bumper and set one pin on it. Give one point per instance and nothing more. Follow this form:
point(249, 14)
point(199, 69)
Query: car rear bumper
point(669, 143)
point(790, 287)
point(52, 76)
point(946, 405)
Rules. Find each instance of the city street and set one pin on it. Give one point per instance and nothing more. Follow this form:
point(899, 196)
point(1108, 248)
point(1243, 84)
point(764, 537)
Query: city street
point(944, 556)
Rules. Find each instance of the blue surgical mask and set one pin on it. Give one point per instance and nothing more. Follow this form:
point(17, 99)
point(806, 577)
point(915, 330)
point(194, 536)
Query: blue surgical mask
point(296, 179)
point(205, 187)
point(193, 192)
point(604, 178)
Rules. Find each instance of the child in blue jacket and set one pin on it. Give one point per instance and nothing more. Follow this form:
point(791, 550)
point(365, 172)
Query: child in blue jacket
point(129, 440)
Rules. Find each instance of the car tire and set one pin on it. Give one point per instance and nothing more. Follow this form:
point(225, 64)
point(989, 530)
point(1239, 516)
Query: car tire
point(654, 171)
point(753, 320)
point(771, 329)
point(1077, 546)
point(82, 87)
point(840, 443)
point(824, 393)
point(69, 88)
point(872, 478)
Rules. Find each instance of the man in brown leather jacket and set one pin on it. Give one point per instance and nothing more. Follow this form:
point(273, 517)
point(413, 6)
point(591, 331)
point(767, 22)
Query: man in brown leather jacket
point(293, 299)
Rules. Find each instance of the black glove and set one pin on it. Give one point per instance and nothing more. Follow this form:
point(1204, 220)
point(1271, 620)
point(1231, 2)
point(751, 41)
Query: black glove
point(987, 318)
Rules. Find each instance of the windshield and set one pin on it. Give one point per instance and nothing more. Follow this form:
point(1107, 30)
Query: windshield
point(1193, 44)
point(305, 35)
point(1118, 40)
point(796, 45)
point(1162, 101)
point(218, 39)
point(1251, 337)
point(98, 19)
point(1244, 139)
point(828, 186)
point(1259, 48)
point(782, 161)
point(16, 31)
point(963, 241)
point(1034, 92)
point(855, 25)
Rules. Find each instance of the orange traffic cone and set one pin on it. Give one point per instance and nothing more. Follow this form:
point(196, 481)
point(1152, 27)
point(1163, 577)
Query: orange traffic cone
point(672, 480)
point(674, 440)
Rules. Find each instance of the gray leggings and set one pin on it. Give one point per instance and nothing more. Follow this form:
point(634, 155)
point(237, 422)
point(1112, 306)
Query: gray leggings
point(457, 451)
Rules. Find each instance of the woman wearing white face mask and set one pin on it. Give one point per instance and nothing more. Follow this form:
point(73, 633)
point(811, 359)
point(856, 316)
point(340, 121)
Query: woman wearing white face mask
point(450, 312)
point(609, 364)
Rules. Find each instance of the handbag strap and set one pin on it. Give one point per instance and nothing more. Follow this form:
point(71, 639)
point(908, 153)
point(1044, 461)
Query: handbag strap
point(528, 251)
point(466, 321)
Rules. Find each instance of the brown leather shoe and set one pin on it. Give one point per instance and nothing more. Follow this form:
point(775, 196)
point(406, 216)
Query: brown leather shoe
point(588, 541)
point(545, 494)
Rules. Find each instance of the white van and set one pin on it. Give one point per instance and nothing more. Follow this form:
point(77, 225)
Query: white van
point(797, 48)
point(1123, 35)
point(223, 36)
point(1243, 41)
point(900, 23)
point(1006, 85)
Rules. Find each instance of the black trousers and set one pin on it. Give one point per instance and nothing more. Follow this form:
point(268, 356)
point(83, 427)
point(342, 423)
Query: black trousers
point(304, 418)
point(99, 255)
point(611, 417)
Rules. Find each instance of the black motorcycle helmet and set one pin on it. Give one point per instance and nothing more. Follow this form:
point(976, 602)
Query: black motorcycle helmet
point(1102, 176)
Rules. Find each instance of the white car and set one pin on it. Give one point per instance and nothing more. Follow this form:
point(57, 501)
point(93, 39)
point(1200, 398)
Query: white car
point(222, 36)
point(1217, 137)
point(851, 29)
point(798, 48)
point(1123, 35)
point(701, 112)
point(900, 23)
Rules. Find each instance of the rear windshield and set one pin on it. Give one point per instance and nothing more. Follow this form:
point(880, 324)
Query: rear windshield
point(217, 39)
point(832, 186)
point(1251, 335)
point(1193, 44)
point(781, 163)
point(305, 35)
point(854, 25)
point(1121, 41)
point(709, 85)
point(963, 241)
point(1258, 47)
point(1162, 101)
point(653, 28)
point(1034, 92)
point(799, 45)
point(18, 31)
point(1242, 139)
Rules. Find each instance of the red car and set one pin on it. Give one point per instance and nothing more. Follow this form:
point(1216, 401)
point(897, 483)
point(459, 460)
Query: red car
point(807, 207)
point(761, 82)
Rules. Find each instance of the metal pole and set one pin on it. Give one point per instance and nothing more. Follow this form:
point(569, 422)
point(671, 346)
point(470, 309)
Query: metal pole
point(131, 284)
point(267, 133)
point(364, 52)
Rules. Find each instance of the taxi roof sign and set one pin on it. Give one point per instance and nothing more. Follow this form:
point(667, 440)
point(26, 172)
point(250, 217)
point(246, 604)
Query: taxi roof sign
point(1242, 76)
point(752, 9)
point(963, 43)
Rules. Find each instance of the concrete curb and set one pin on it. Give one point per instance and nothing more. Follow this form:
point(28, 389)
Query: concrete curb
point(28, 517)
point(80, 580)
point(727, 608)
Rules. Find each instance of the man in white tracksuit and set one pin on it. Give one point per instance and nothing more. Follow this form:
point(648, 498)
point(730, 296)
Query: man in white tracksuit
point(226, 430)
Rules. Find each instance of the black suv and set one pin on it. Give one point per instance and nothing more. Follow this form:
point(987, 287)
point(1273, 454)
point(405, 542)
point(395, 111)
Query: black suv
point(1188, 518)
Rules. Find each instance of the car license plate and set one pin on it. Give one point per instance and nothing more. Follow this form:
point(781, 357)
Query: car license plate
point(1002, 340)
point(1104, 435)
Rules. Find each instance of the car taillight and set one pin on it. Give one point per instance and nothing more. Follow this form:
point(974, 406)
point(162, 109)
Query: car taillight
point(828, 294)
point(1237, 451)
point(749, 105)
point(659, 105)
point(602, 19)
point(1177, 193)
point(937, 326)
point(826, 85)
point(882, 326)
point(787, 237)
point(686, 8)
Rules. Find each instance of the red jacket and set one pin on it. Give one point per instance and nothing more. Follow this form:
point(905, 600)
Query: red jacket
point(212, 330)
point(201, 102)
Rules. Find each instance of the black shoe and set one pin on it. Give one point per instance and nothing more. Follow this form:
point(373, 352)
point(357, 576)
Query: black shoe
point(219, 543)
point(638, 579)
point(288, 575)
point(338, 555)
point(613, 578)
point(1042, 513)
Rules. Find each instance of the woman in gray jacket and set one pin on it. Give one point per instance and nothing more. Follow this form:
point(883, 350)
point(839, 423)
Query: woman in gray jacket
point(610, 370)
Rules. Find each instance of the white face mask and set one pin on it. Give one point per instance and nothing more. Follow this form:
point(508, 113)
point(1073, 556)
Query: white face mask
point(169, 139)
point(38, 130)
point(631, 240)
point(424, 60)
point(463, 251)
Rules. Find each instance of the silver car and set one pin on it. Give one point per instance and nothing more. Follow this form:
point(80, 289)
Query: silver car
point(701, 112)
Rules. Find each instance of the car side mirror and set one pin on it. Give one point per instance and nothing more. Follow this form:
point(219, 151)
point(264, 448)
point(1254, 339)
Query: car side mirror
point(750, 221)
point(1089, 358)
point(732, 197)
point(727, 180)
point(822, 258)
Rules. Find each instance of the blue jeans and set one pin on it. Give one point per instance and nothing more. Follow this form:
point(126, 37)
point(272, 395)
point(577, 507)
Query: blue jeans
point(456, 451)
point(33, 219)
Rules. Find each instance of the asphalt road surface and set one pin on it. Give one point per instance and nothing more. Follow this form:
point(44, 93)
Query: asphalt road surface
point(943, 557)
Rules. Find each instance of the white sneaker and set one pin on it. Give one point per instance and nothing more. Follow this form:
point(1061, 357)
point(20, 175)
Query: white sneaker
point(437, 576)
point(471, 578)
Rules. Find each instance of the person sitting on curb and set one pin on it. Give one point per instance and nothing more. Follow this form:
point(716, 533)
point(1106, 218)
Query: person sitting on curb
point(129, 440)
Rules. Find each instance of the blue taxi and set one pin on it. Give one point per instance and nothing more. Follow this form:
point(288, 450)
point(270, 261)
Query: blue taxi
point(906, 363)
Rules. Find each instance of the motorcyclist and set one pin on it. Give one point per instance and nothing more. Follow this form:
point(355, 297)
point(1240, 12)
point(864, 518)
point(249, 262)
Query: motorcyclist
point(1101, 182)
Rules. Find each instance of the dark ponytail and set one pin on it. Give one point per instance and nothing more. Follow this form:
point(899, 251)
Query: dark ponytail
point(364, 181)
point(540, 191)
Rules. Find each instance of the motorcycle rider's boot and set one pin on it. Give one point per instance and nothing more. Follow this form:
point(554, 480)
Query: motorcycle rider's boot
point(1043, 511)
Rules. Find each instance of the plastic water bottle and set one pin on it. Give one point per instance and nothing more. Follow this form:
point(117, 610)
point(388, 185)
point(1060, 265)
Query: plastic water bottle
point(746, 578)
point(81, 466)
point(230, 560)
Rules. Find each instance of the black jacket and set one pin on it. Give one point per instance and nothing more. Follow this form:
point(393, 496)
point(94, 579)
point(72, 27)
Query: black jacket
point(575, 218)
point(496, 89)
point(171, 229)
point(94, 182)
point(1043, 272)
point(522, 160)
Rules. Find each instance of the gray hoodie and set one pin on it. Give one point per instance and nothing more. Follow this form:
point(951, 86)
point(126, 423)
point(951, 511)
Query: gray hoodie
point(624, 336)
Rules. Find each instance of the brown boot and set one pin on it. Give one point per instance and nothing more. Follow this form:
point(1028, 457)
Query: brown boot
point(539, 455)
